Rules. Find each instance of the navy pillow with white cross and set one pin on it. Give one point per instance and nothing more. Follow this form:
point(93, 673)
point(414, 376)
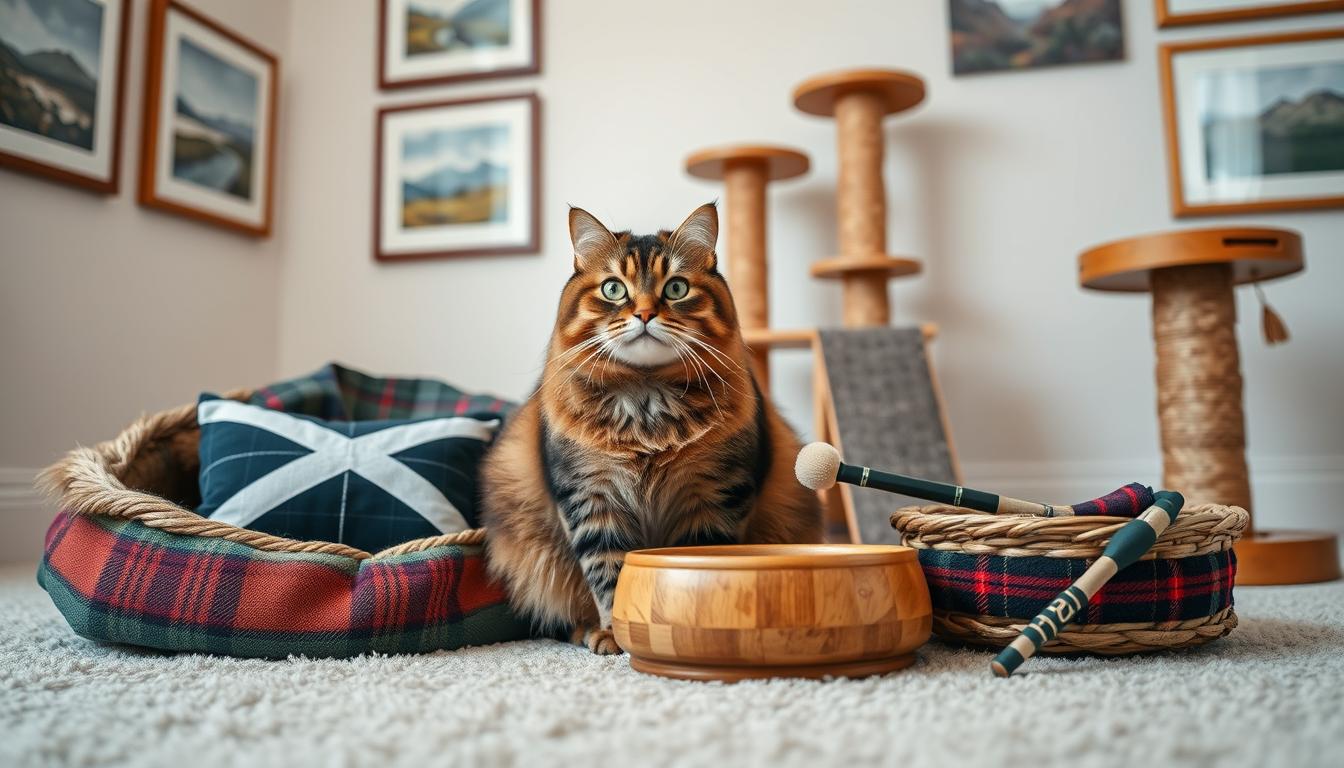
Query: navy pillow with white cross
point(367, 484)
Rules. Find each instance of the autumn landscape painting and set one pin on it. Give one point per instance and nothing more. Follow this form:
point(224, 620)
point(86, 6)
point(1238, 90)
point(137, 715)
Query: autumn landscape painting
point(991, 35)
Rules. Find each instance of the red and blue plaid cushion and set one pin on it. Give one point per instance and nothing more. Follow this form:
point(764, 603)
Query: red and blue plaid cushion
point(1148, 591)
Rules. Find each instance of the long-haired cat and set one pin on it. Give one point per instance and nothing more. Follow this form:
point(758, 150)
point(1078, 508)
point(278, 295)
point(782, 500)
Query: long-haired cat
point(648, 430)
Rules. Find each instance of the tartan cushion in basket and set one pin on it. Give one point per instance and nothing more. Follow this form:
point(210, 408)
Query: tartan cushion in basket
point(370, 484)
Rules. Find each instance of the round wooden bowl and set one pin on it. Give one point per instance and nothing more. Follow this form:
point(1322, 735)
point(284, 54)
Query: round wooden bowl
point(759, 610)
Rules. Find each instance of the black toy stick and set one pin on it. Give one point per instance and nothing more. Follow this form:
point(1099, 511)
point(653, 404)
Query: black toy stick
point(819, 467)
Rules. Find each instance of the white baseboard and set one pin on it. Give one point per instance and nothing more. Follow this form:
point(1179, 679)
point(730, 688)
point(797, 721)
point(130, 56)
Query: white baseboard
point(1286, 491)
point(24, 516)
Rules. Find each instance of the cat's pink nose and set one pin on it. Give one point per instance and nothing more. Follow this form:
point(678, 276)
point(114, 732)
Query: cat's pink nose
point(646, 314)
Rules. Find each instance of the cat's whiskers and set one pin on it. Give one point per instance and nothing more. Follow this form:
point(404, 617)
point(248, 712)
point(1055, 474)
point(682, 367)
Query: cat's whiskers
point(720, 355)
point(565, 356)
point(684, 338)
point(699, 363)
point(605, 343)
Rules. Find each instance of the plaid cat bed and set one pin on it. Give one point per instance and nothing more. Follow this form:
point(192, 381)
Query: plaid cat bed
point(139, 567)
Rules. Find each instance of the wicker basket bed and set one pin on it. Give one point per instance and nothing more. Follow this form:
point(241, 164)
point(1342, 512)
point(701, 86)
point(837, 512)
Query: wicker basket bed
point(127, 561)
point(990, 574)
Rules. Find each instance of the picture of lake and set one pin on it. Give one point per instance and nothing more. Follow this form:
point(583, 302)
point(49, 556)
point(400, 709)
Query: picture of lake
point(990, 35)
point(50, 58)
point(214, 122)
point(1272, 121)
point(439, 26)
point(455, 176)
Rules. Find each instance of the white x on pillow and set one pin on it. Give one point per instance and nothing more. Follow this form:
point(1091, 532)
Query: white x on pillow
point(369, 456)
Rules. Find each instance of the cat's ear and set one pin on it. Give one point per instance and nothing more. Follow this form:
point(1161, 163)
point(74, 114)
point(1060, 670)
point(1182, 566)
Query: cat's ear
point(694, 240)
point(592, 241)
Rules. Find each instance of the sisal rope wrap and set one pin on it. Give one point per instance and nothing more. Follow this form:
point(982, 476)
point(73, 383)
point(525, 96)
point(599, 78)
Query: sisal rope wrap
point(155, 453)
point(861, 201)
point(1199, 399)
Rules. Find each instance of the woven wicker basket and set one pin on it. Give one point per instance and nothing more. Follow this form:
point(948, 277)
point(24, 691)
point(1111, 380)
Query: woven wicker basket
point(1199, 530)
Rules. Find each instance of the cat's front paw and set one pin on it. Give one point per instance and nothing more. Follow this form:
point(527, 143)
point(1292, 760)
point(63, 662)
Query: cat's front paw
point(601, 642)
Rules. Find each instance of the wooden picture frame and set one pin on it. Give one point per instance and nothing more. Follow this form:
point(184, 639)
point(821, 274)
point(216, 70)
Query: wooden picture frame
point(180, 138)
point(1168, 18)
point(432, 236)
point(397, 70)
point(25, 149)
point(1198, 194)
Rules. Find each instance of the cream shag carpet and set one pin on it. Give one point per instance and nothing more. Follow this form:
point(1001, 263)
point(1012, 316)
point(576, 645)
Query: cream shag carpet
point(1270, 694)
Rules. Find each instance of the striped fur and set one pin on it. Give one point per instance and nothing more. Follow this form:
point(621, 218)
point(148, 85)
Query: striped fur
point(647, 430)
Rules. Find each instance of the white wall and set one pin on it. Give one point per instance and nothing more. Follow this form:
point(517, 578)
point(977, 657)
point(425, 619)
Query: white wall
point(997, 181)
point(108, 309)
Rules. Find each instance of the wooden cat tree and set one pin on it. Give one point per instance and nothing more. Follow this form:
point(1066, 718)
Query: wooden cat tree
point(858, 100)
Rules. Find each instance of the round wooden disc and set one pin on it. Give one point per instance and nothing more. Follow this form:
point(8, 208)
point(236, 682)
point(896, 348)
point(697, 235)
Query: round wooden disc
point(841, 266)
point(900, 90)
point(734, 674)
point(779, 162)
point(1255, 253)
point(1287, 557)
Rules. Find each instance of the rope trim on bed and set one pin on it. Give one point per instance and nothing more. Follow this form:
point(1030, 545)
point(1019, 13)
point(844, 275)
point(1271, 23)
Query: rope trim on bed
point(89, 481)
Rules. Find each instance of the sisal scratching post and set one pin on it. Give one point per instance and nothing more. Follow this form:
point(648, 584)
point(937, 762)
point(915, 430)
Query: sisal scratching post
point(859, 100)
point(1191, 275)
point(1199, 384)
point(745, 171)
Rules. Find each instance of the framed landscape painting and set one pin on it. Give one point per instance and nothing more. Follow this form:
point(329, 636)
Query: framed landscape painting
point(996, 35)
point(458, 178)
point(1255, 123)
point(444, 41)
point(61, 68)
point(209, 125)
point(1171, 13)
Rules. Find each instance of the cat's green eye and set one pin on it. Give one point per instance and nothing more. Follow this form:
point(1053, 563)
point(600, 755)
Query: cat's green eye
point(676, 288)
point(613, 290)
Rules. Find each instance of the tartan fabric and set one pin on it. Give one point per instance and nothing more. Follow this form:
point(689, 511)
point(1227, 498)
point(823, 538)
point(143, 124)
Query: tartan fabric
point(1148, 591)
point(1127, 501)
point(345, 394)
point(120, 581)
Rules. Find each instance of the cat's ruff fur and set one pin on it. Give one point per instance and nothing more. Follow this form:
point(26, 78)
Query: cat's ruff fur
point(648, 429)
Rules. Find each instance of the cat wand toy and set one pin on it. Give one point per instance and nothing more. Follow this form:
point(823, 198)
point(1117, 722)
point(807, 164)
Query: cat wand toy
point(1127, 545)
point(819, 467)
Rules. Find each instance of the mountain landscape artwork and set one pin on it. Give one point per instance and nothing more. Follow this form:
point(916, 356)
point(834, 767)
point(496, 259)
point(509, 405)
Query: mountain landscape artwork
point(1292, 122)
point(991, 35)
point(50, 54)
point(214, 122)
point(438, 26)
point(455, 176)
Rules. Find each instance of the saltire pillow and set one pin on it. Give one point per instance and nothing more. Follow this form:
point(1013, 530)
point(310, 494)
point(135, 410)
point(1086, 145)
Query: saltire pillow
point(367, 484)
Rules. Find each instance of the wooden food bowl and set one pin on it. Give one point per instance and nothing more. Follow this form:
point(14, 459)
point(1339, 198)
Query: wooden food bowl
point(762, 610)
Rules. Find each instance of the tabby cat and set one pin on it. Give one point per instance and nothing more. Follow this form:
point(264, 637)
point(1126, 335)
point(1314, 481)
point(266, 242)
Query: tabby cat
point(648, 429)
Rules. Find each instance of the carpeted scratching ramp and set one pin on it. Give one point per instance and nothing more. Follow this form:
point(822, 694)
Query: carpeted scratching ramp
point(887, 414)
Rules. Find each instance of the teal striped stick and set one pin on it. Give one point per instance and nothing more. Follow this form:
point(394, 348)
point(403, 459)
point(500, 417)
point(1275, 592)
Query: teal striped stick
point(1126, 547)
